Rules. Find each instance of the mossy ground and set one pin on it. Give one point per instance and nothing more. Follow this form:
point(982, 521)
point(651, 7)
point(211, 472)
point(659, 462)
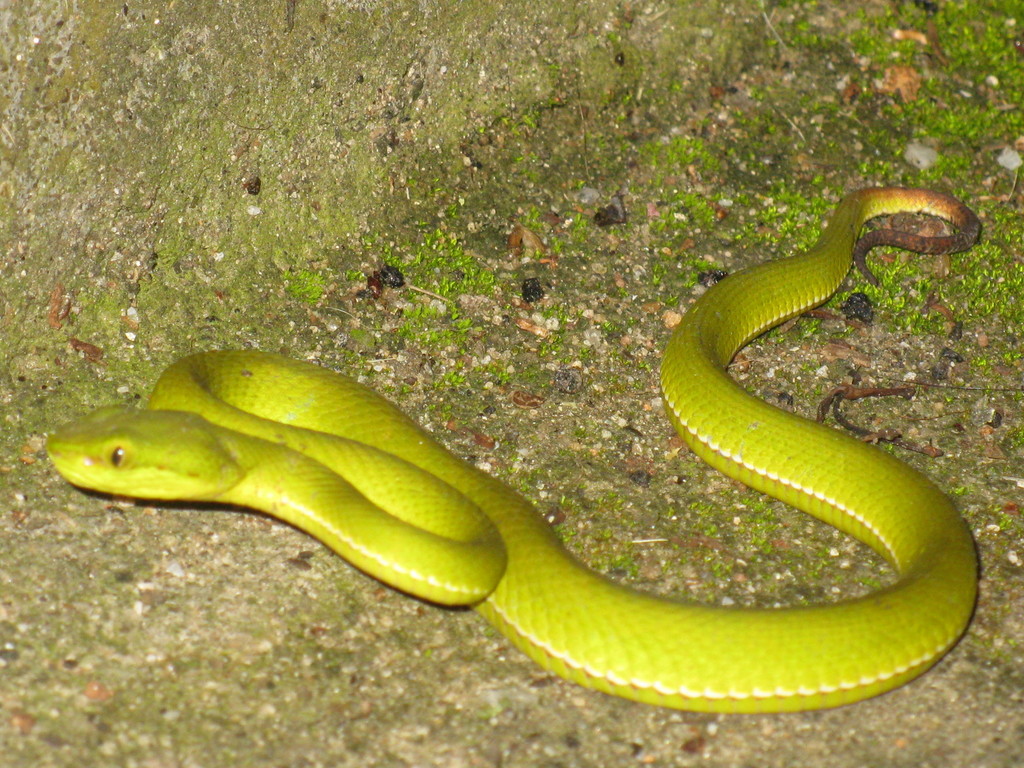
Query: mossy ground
point(224, 639)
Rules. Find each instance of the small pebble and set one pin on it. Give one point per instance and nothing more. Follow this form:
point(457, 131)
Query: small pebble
point(920, 155)
point(391, 276)
point(532, 290)
point(1010, 159)
point(641, 478)
point(711, 276)
point(858, 307)
point(568, 380)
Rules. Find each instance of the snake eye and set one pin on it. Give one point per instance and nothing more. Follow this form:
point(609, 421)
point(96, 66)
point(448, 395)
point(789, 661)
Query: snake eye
point(117, 456)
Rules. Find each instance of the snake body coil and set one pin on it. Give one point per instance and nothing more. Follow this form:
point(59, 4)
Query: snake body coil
point(326, 454)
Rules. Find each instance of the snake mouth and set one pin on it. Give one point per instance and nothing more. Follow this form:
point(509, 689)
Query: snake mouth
point(70, 470)
point(73, 465)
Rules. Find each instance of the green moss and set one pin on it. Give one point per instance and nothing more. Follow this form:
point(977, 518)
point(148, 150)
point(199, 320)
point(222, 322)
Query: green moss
point(761, 527)
point(1015, 439)
point(980, 53)
point(430, 326)
point(441, 263)
point(437, 270)
point(721, 570)
point(670, 158)
point(1009, 523)
point(490, 373)
point(623, 563)
point(454, 377)
point(959, 116)
point(305, 285)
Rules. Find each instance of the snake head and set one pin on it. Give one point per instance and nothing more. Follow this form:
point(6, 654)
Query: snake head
point(145, 454)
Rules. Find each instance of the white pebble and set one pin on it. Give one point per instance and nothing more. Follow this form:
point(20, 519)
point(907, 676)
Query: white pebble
point(920, 155)
point(1010, 159)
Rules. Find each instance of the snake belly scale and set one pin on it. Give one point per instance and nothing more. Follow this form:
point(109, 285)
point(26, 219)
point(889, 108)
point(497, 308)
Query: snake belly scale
point(326, 454)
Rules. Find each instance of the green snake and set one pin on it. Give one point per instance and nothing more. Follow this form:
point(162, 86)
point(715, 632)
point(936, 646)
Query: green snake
point(322, 452)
